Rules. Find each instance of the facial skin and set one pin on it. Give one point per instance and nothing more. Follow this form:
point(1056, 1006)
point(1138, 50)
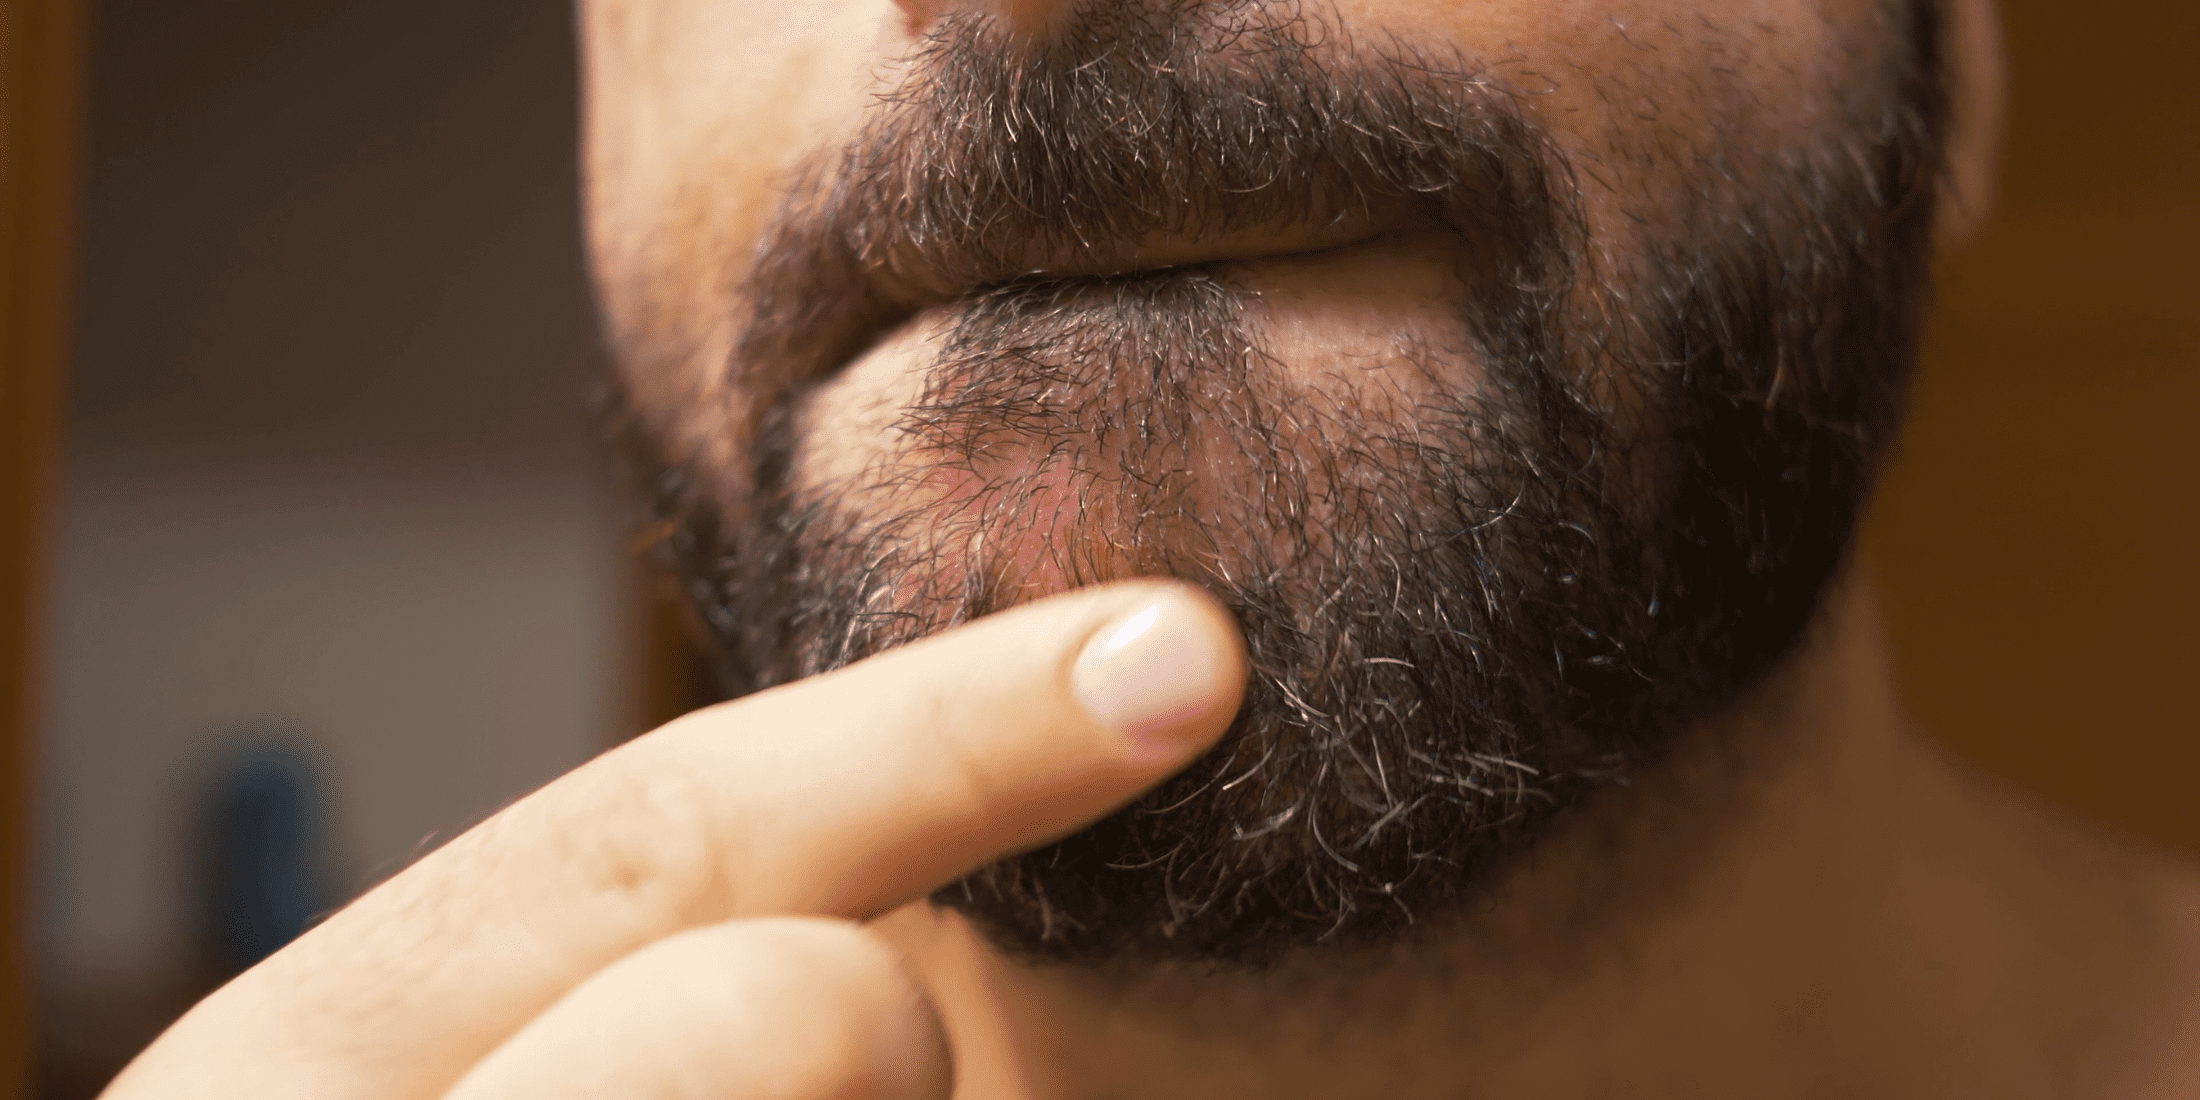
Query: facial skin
point(1556, 315)
point(1515, 381)
point(1513, 373)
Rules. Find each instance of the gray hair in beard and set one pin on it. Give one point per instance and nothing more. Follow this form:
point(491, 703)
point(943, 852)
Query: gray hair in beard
point(1460, 622)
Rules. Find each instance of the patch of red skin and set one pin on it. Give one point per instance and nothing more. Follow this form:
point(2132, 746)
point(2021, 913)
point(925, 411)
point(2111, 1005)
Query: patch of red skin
point(1023, 548)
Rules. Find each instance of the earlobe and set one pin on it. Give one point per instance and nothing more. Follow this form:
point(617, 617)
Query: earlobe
point(1978, 89)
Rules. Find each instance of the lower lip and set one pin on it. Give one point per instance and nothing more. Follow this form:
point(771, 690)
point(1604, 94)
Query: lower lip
point(1334, 322)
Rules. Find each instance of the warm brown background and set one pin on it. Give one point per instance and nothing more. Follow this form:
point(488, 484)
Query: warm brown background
point(2039, 539)
point(39, 55)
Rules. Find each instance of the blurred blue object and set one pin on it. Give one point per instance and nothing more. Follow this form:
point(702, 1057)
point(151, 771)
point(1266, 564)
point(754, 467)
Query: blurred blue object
point(262, 845)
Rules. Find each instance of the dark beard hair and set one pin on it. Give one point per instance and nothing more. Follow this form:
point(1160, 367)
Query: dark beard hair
point(1460, 623)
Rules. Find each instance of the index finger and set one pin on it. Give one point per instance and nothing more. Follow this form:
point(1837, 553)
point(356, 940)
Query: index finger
point(842, 795)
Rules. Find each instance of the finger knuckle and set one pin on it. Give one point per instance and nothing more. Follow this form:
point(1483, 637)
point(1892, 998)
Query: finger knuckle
point(638, 847)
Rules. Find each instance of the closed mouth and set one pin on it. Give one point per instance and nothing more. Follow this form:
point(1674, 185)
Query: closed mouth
point(920, 284)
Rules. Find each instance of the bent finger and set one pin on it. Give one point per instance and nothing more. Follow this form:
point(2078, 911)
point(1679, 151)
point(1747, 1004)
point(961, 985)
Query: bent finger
point(788, 1007)
point(843, 795)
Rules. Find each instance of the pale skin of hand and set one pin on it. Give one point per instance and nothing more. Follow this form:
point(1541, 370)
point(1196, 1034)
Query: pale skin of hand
point(683, 916)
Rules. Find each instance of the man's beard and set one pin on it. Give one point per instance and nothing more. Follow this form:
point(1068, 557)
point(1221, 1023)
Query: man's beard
point(1466, 608)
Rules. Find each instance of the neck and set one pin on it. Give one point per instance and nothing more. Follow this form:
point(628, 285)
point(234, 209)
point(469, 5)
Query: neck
point(1809, 898)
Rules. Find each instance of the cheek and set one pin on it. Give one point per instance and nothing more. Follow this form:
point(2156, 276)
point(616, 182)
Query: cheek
point(697, 112)
point(1637, 94)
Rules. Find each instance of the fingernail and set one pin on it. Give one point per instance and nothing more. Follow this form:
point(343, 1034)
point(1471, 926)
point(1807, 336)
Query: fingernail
point(1153, 671)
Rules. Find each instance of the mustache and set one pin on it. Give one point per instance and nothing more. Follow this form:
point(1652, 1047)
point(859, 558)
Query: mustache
point(1141, 121)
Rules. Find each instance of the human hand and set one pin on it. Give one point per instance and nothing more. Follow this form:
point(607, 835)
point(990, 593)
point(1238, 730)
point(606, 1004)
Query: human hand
point(680, 917)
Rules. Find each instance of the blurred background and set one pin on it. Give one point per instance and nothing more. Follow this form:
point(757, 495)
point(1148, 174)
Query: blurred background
point(333, 563)
point(313, 553)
